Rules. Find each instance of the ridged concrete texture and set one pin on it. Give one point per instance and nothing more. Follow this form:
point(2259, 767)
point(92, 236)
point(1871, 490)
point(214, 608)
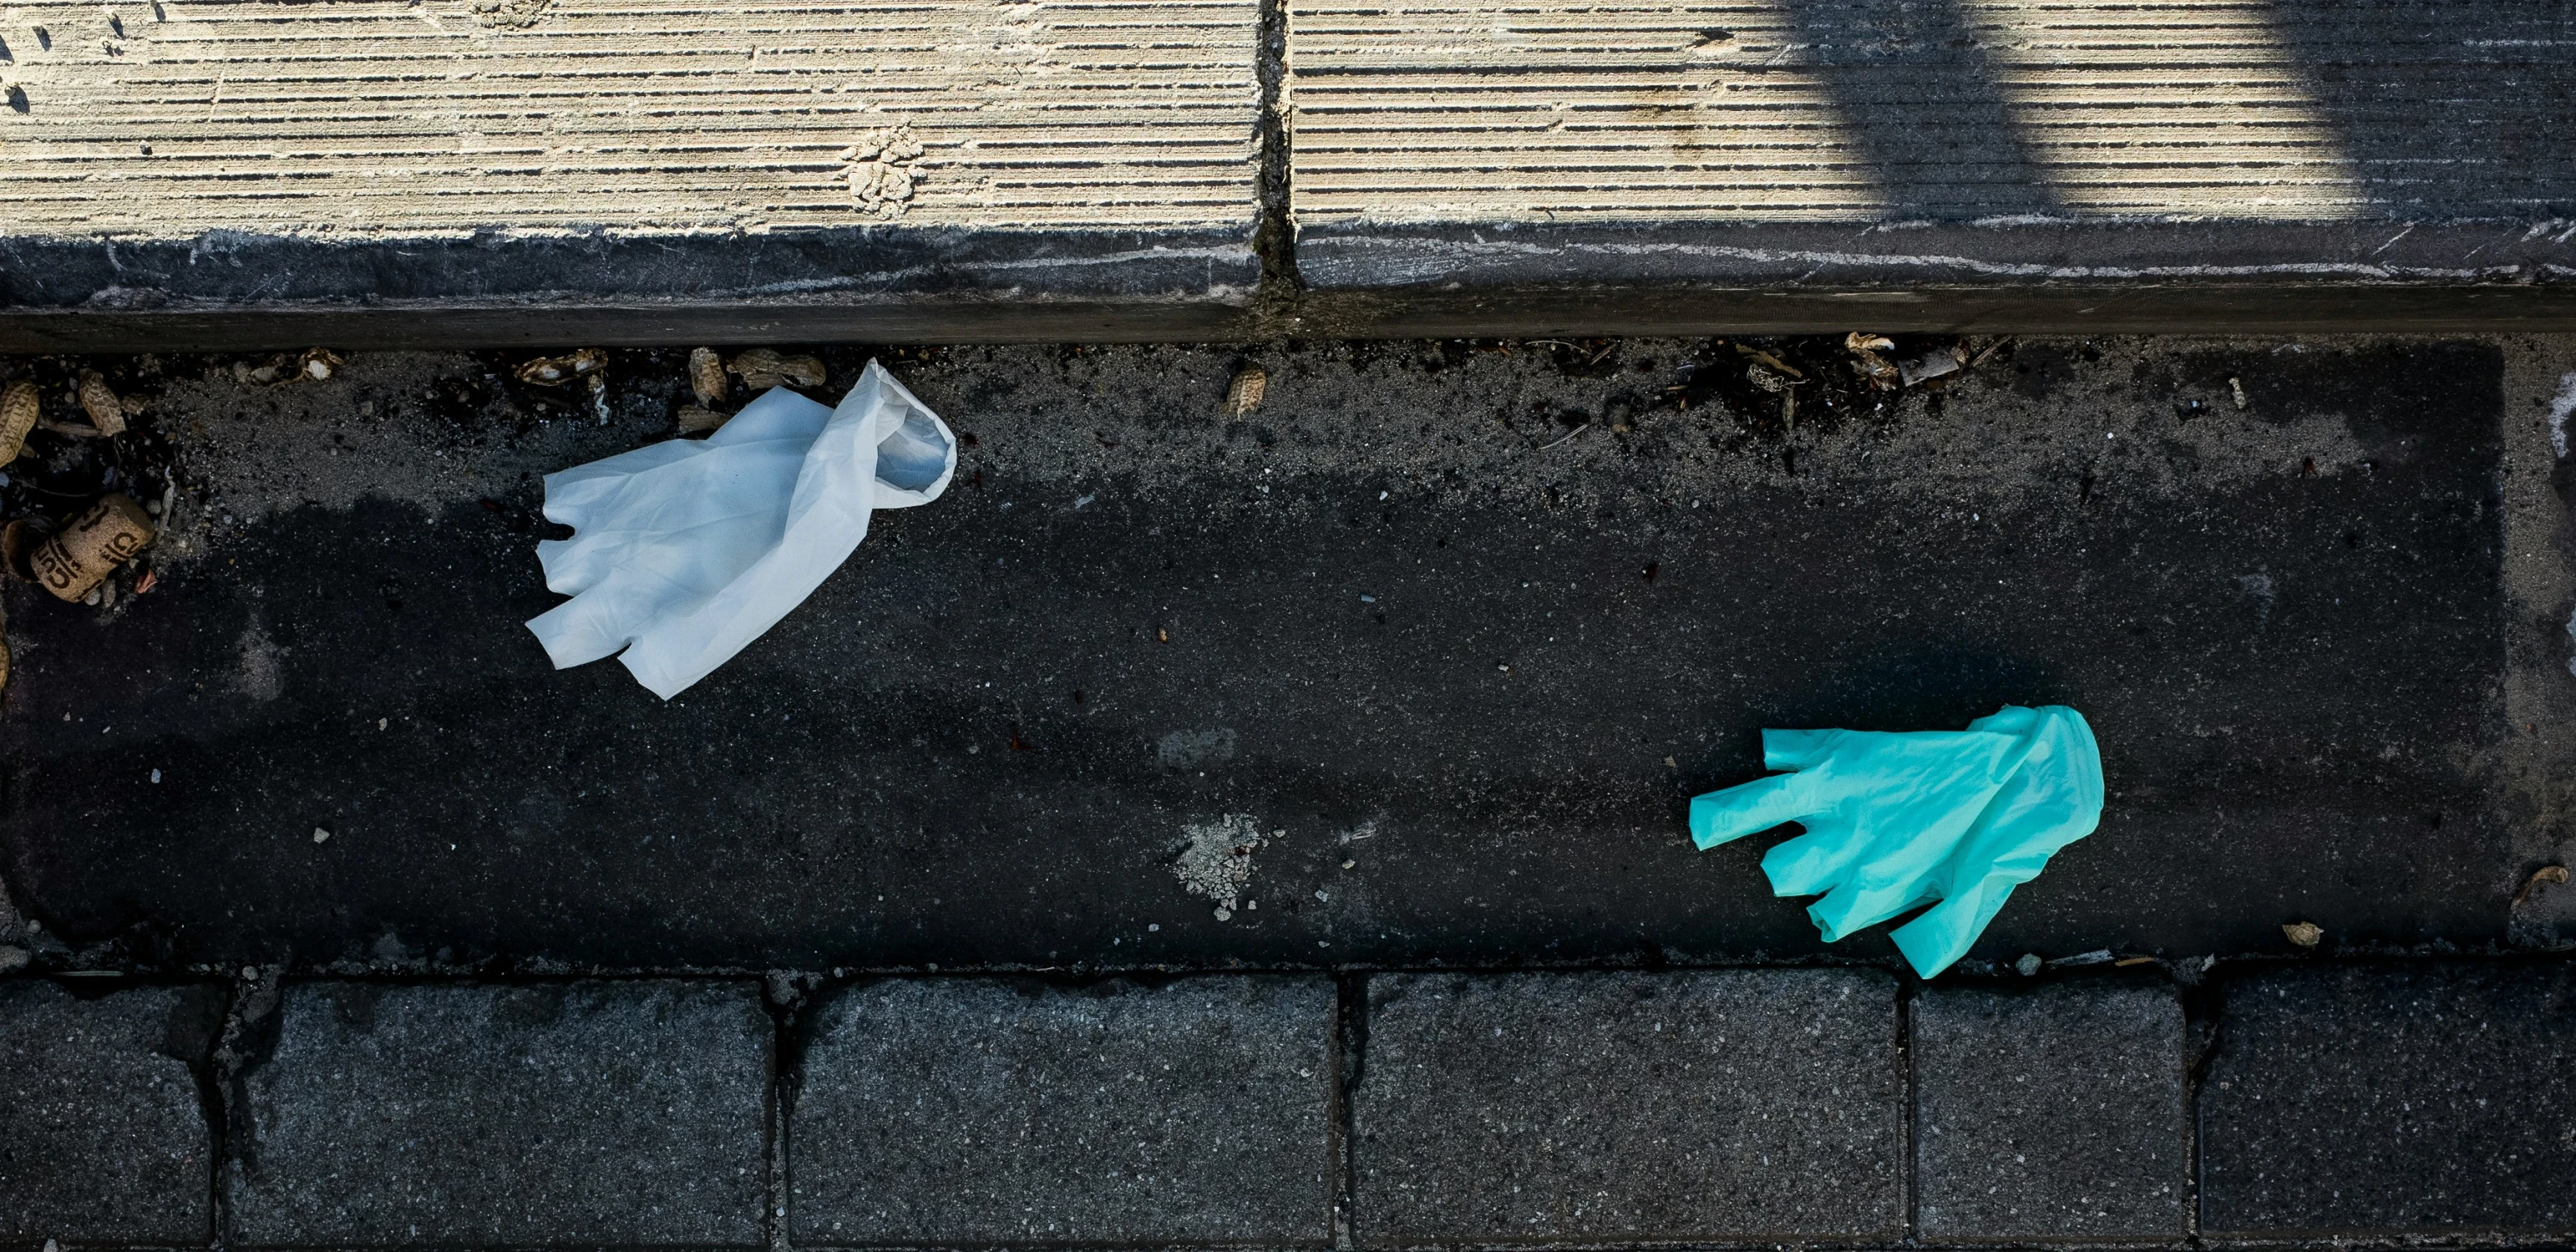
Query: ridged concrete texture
point(380, 117)
point(1791, 142)
point(458, 163)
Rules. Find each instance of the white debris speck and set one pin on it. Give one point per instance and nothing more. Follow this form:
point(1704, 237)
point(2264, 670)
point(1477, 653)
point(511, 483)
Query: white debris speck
point(156, 775)
point(1217, 860)
point(2561, 407)
point(1321, 896)
point(320, 835)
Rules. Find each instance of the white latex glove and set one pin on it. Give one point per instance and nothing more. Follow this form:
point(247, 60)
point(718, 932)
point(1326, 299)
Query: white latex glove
point(685, 551)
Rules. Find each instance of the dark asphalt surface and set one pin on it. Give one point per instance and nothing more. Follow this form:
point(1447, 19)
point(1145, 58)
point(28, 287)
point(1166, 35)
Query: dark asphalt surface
point(1386, 617)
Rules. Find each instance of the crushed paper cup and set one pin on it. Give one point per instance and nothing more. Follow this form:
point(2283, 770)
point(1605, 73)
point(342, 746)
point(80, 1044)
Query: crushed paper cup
point(685, 551)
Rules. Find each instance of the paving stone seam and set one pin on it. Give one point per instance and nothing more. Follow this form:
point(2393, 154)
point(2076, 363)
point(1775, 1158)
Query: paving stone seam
point(1348, 1044)
point(249, 1017)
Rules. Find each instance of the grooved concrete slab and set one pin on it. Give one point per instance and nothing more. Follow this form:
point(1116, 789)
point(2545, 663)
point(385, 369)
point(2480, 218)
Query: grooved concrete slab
point(269, 155)
point(1192, 1112)
point(2055, 1113)
point(1694, 1107)
point(103, 1135)
point(1849, 143)
point(583, 1113)
point(2393, 1099)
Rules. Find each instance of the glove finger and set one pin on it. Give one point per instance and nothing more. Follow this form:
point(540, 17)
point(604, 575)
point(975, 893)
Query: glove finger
point(1720, 816)
point(1943, 934)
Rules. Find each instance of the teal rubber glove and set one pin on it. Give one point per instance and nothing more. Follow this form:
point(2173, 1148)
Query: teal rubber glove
point(1899, 820)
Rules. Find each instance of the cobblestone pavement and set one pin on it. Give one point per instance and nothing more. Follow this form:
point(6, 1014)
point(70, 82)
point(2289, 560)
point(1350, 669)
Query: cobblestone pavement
point(2284, 1102)
point(335, 919)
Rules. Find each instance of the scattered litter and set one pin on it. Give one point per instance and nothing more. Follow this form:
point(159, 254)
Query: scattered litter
point(146, 583)
point(2029, 965)
point(70, 430)
point(707, 377)
point(1989, 350)
point(156, 776)
point(97, 399)
point(1350, 864)
point(555, 371)
point(763, 368)
point(1895, 820)
point(18, 541)
point(1768, 378)
point(320, 835)
point(1865, 349)
point(2098, 956)
point(73, 561)
point(2127, 961)
point(2304, 934)
point(695, 418)
point(20, 406)
point(1217, 860)
point(688, 550)
point(1566, 437)
point(1774, 362)
point(1937, 363)
point(313, 363)
point(2544, 874)
point(1244, 394)
point(2236, 391)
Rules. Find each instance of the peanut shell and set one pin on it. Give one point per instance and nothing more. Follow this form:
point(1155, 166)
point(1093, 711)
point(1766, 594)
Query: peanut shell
point(20, 406)
point(707, 376)
point(99, 401)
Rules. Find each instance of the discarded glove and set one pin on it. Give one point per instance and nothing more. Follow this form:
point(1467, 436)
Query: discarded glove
point(688, 550)
point(1899, 820)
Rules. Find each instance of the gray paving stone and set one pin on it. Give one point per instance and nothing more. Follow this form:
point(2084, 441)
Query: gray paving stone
point(1711, 1105)
point(2049, 1114)
point(579, 1113)
point(2393, 1099)
point(103, 1136)
point(964, 1111)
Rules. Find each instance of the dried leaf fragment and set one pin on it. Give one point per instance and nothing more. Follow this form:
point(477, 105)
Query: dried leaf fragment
point(1937, 363)
point(695, 418)
point(764, 368)
point(1865, 349)
point(2304, 934)
point(2544, 874)
point(707, 376)
point(555, 371)
point(1770, 360)
point(99, 401)
point(20, 406)
point(1244, 394)
point(274, 370)
point(1767, 378)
